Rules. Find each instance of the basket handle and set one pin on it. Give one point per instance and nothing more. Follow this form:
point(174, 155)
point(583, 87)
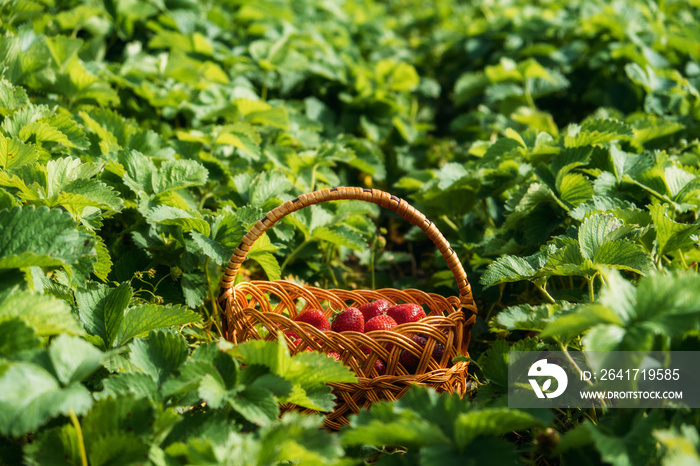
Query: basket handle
point(384, 199)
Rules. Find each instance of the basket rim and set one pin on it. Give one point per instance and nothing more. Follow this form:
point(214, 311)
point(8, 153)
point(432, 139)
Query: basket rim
point(381, 293)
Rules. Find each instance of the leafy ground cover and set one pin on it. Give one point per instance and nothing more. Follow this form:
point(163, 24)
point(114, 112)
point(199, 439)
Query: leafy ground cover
point(555, 144)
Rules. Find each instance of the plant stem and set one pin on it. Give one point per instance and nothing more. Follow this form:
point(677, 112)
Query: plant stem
point(204, 199)
point(680, 255)
point(79, 434)
point(543, 290)
point(571, 360)
point(591, 286)
point(313, 177)
point(294, 253)
point(449, 223)
point(573, 363)
point(212, 298)
point(593, 416)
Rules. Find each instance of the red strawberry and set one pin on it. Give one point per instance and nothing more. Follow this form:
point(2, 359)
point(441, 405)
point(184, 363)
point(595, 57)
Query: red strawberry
point(382, 322)
point(350, 320)
point(410, 362)
point(375, 308)
point(380, 367)
point(314, 317)
point(408, 312)
point(333, 355)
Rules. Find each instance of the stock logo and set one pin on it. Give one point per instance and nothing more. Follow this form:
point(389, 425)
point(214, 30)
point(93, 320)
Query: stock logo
point(543, 369)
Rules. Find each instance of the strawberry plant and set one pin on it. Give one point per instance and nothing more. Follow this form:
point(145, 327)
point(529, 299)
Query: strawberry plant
point(555, 145)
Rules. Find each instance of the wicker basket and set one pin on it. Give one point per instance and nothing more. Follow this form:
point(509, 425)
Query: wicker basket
point(250, 306)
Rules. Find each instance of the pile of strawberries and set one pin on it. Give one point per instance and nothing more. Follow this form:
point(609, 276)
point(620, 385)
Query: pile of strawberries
point(376, 315)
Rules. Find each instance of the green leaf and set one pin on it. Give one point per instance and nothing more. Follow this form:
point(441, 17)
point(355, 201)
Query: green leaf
point(574, 189)
point(195, 288)
point(114, 414)
point(118, 447)
point(101, 309)
point(103, 266)
point(141, 319)
point(95, 192)
point(298, 438)
point(600, 204)
point(494, 361)
point(41, 237)
point(45, 314)
point(490, 422)
point(670, 235)
point(160, 354)
point(663, 305)
point(63, 49)
point(575, 323)
point(512, 269)
point(11, 97)
point(635, 445)
point(525, 200)
point(75, 134)
point(113, 311)
point(596, 132)
point(14, 153)
point(65, 171)
point(30, 396)
point(399, 76)
point(257, 405)
point(269, 264)
point(211, 248)
point(15, 336)
point(139, 384)
point(32, 184)
point(44, 132)
point(7, 200)
point(54, 447)
point(241, 136)
point(276, 117)
point(568, 260)
point(212, 391)
point(277, 385)
point(667, 301)
point(188, 221)
point(485, 451)
point(116, 428)
point(341, 235)
point(179, 174)
point(311, 368)
point(682, 445)
point(137, 172)
point(507, 269)
point(384, 424)
point(649, 127)
point(271, 354)
point(73, 358)
point(594, 232)
point(525, 317)
point(503, 147)
point(266, 186)
point(623, 255)
point(682, 185)
point(228, 229)
point(469, 85)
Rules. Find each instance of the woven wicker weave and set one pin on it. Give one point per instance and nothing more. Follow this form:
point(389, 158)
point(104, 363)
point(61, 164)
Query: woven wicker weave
point(250, 306)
